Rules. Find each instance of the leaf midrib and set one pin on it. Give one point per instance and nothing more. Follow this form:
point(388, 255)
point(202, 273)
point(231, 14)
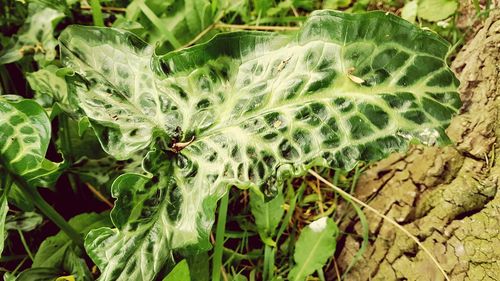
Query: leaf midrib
point(308, 259)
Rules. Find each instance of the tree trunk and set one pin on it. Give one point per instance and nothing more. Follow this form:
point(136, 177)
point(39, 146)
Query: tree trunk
point(447, 197)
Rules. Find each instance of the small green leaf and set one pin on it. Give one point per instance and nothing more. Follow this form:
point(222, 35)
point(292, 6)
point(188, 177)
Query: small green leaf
point(66, 278)
point(436, 10)
point(72, 262)
point(83, 125)
point(267, 214)
point(409, 11)
point(60, 254)
point(48, 86)
point(180, 272)
point(9, 277)
point(335, 4)
point(199, 267)
point(145, 208)
point(315, 245)
point(26, 221)
point(18, 199)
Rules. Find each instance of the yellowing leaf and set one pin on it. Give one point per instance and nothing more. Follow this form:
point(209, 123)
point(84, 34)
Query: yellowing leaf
point(436, 10)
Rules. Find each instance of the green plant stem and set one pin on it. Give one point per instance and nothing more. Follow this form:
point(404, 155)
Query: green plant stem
point(293, 201)
point(66, 144)
point(34, 196)
point(321, 274)
point(97, 12)
point(268, 262)
point(476, 6)
point(19, 266)
point(219, 237)
point(25, 245)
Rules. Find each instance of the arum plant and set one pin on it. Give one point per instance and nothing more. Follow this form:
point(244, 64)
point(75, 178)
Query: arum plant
point(246, 109)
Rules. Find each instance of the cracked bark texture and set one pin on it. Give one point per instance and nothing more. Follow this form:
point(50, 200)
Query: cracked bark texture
point(448, 197)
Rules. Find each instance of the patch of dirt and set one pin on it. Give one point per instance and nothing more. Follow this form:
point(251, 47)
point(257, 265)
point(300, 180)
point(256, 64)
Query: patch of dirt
point(447, 197)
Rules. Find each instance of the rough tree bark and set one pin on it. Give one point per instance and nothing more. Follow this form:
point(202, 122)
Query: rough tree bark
point(447, 197)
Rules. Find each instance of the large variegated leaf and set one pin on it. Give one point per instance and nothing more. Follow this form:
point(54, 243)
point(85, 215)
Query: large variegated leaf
point(247, 110)
point(24, 136)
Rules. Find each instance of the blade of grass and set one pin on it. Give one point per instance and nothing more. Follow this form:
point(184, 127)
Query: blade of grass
point(337, 273)
point(476, 6)
point(19, 266)
point(95, 5)
point(388, 219)
point(291, 208)
point(219, 238)
point(321, 274)
point(364, 224)
point(269, 253)
point(364, 234)
point(159, 25)
point(107, 9)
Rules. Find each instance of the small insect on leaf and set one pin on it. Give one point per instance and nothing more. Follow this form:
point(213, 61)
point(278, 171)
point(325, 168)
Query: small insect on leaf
point(354, 78)
point(282, 64)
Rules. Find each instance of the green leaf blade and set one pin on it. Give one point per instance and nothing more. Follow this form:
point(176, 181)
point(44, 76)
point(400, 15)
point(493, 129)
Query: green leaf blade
point(436, 10)
point(180, 272)
point(123, 104)
point(316, 243)
point(25, 221)
point(267, 214)
point(138, 248)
